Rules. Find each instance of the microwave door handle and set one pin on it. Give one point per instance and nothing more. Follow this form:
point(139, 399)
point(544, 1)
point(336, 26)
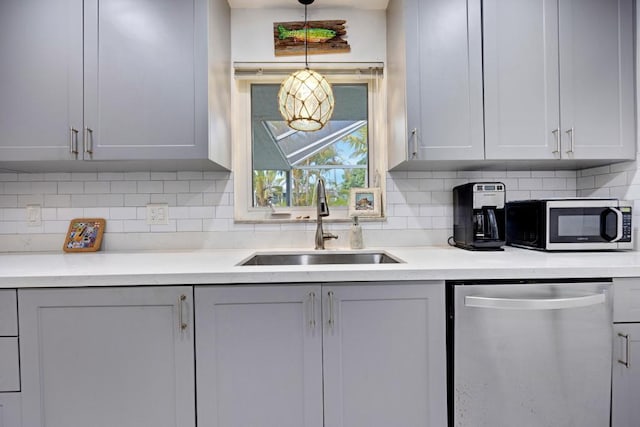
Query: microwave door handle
point(619, 218)
point(534, 304)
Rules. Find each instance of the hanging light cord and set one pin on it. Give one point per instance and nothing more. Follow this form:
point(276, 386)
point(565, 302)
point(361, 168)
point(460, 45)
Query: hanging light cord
point(306, 38)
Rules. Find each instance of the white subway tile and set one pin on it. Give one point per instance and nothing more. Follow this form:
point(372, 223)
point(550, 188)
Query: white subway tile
point(611, 180)
point(169, 199)
point(494, 175)
point(216, 199)
point(111, 200)
point(124, 187)
point(408, 184)
point(220, 224)
point(176, 186)
point(137, 199)
point(442, 198)
point(189, 199)
point(96, 212)
point(57, 176)
point(49, 214)
point(30, 199)
point(15, 214)
point(419, 223)
point(543, 174)
point(518, 174)
point(202, 186)
point(137, 176)
point(114, 226)
point(84, 176)
point(436, 184)
point(428, 211)
point(189, 175)
point(224, 212)
point(396, 197)
point(141, 213)
point(110, 176)
point(164, 176)
point(224, 186)
point(449, 183)
point(30, 177)
point(71, 187)
point(214, 175)
point(17, 188)
point(406, 210)
point(469, 174)
point(529, 183)
point(122, 213)
point(150, 187)
point(395, 223)
point(97, 187)
point(624, 166)
point(189, 225)
point(170, 227)
point(595, 171)
point(68, 214)
point(57, 201)
point(566, 173)
point(444, 174)
point(202, 212)
point(586, 182)
point(8, 176)
point(417, 197)
point(179, 212)
point(419, 174)
point(56, 227)
point(554, 183)
point(135, 226)
point(442, 222)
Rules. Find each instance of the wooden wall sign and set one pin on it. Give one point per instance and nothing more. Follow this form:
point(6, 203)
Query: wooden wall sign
point(324, 37)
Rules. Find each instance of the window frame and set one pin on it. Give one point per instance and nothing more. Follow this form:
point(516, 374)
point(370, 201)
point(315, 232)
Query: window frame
point(242, 145)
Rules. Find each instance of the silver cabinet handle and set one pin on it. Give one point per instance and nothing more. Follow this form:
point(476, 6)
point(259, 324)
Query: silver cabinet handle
point(534, 304)
point(331, 320)
point(312, 315)
point(182, 323)
point(625, 362)
point(571, 140)
point(556, 132)
point(88, 140)
point(73, 141)
point(414, 137)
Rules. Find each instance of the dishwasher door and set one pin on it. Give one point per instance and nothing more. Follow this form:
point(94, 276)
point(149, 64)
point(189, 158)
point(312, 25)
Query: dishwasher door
point(530, 354)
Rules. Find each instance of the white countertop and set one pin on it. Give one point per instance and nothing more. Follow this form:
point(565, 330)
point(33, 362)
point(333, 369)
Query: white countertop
point(219, 267)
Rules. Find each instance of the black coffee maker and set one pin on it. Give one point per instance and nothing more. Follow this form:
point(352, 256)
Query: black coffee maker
point(479, 216)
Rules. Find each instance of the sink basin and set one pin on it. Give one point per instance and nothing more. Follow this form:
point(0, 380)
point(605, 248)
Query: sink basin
point(314, 258)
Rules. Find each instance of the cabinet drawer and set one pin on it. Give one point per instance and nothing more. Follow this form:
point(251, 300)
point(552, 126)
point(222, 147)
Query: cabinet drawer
point(626, 299)
point(8, 313)
point(10, 410)
point(9, 365)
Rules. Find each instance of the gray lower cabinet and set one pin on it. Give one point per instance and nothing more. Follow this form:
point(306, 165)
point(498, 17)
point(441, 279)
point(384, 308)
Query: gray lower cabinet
point(107, 357)
point(626, 375)
point(626, 366)
point(339, 355)
point(112, 80)
point(558, 79)
point(434, 57)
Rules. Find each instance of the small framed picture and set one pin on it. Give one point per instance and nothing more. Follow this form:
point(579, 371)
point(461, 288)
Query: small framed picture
point(84, 235)
point(365, 202)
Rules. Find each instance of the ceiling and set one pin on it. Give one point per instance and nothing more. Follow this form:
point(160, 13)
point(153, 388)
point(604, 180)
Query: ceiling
point(265, 4)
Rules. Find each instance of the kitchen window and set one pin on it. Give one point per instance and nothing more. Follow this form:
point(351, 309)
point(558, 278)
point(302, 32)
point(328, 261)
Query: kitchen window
point(276, 168)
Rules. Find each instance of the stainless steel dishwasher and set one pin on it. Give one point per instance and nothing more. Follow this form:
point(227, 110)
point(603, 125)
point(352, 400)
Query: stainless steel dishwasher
point(529, 353)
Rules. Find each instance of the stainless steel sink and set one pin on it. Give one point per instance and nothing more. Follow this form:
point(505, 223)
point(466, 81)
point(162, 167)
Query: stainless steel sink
point(314, 258)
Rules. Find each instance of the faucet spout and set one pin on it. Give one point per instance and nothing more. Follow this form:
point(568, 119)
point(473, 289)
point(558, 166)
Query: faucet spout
point(322, 209)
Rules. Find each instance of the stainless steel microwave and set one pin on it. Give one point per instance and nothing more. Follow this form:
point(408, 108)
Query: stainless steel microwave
point(570, 224)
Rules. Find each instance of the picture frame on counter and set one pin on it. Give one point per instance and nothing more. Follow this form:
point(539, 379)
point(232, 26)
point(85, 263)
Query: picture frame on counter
point(84, 235)
point(365, 202)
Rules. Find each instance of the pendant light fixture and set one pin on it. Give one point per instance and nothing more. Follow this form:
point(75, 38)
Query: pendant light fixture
point(305, 98)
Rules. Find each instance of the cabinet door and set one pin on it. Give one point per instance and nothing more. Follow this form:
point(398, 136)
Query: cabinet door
point(258, 356)
point(40, 78)
point(626, 375)
point(521, 79)
point(107, 357)
point(384, 355)
point(444, 79)
point(10, 410)
point(146, 79)
point(596, 79)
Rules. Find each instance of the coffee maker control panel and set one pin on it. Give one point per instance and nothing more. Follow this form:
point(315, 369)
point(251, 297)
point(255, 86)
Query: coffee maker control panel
point(485, 195)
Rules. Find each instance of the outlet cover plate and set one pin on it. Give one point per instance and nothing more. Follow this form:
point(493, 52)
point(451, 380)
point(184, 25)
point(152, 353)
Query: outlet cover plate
point(34, 215)
point(157, 214)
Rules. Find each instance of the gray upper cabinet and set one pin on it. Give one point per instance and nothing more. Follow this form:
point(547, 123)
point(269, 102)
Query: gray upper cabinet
point(558, 79)
point(435, 80)
point(40, 78)
point(113, 80)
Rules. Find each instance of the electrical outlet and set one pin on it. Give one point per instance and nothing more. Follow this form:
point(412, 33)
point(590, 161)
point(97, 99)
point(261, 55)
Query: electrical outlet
point(157, 214)
point(34, 215)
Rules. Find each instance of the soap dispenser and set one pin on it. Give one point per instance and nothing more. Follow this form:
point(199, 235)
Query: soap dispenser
point(355, 235)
